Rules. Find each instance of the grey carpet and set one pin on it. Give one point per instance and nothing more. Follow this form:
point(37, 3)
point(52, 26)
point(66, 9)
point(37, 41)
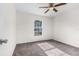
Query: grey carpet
point(32, 49)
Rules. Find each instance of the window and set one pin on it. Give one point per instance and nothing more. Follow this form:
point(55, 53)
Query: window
point(37, 28)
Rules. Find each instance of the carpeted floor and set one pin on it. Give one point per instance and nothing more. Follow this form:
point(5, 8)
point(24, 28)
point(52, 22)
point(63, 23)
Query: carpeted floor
point(45, 48)
point(51, 50)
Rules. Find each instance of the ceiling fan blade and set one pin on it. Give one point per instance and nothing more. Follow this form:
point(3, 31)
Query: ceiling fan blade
point(60, 4)
point(46, 11)
point(43, 7)
point(55, 10)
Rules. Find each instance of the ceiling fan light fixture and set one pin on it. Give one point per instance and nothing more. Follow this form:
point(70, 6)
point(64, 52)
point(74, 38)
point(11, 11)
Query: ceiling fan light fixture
point(51, 8)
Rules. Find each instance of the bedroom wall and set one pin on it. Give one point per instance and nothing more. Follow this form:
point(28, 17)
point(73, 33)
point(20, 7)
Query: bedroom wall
point(25, 27)
point(66, 25)
point(7, 28)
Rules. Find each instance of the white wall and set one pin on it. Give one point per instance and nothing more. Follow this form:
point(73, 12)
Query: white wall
point(66, 26)
point(25, 27)
point(7, 28)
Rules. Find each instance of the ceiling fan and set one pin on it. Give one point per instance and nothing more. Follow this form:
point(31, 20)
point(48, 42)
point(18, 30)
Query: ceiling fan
point(53, 6)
